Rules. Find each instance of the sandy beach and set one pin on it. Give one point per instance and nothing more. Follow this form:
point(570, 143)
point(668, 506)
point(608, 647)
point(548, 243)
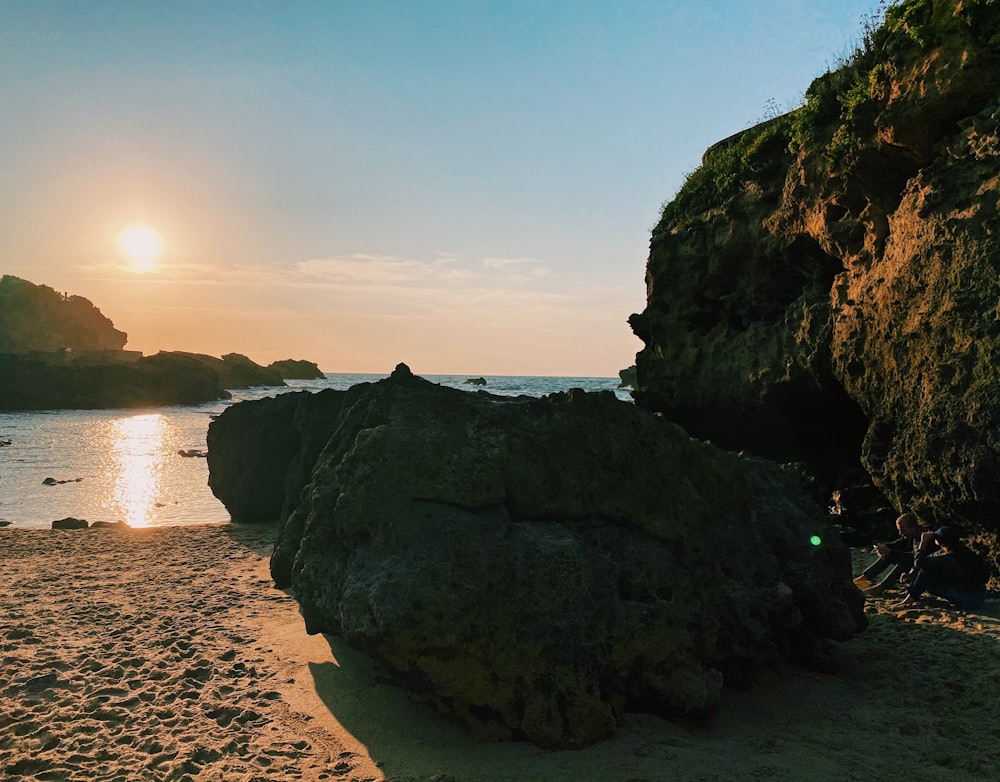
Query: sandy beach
point(167, 654)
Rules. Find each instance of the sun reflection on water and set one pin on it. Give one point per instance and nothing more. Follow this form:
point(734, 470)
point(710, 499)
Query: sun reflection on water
point(138, 450)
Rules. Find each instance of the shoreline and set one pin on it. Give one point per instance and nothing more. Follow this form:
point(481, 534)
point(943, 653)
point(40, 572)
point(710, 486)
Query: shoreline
point(167, 653)
point(116, 486)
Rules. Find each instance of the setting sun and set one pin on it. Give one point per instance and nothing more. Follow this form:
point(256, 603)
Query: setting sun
point(141, 246)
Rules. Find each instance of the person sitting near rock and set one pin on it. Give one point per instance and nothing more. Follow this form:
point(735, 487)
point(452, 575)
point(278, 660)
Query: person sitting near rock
point(955, 573)
point(896, 556)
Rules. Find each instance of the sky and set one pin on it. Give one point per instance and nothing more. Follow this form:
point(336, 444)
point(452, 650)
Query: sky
point(467, 186)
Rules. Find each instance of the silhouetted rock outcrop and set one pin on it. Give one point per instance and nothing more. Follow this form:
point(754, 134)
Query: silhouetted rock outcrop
point(825, 287)
point(58, 351)
point(70, 523)
point(237, 371)
point(37, 318)
point(296, 369)
point(28, 383)
point(534, 567)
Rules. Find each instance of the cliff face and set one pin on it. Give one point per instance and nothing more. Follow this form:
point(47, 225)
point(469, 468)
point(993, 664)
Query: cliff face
point(37, 318)
point(825, 287)
point(58, 351)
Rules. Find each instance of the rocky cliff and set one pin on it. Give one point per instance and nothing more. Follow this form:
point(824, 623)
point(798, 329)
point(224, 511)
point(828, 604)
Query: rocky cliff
point(824, 288)
point(37, 318)
point(58, 351)
point(535, 567)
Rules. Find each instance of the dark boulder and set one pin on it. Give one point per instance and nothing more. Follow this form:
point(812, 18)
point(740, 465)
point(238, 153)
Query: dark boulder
point(297, 369)
point(235, 370)
point(70, 523)
point(251, 449)
point(535, 567)
point(627, 377)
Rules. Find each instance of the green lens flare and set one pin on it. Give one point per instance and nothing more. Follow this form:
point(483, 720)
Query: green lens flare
point(816, 540)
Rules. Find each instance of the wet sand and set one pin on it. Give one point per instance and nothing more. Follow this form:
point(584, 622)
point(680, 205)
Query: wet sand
point(167, 654)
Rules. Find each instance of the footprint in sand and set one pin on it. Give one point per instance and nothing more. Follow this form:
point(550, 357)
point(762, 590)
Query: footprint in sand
point(225, 715)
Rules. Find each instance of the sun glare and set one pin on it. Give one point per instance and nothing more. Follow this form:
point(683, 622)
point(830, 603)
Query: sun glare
point(141, 246)
point(138, 452)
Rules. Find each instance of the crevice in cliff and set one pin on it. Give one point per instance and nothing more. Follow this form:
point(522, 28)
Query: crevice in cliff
point(822, 426)
point(819, 425)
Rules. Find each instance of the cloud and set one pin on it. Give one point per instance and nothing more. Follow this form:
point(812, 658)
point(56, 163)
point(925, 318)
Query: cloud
point(445, 287)
point(356, 272)
point(369, 310)
point(519, 269)
point(366, 287)
point(375, 271)
point(444, 271)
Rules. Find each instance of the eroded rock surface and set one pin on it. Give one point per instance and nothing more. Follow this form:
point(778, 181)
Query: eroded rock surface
point(826, 287)
point(534, 567)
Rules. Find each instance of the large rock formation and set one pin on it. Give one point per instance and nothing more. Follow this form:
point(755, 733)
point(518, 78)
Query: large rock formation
point(37, 318)
point(534, 567)
point(825, 287)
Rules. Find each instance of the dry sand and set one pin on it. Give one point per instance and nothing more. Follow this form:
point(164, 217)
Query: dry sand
point(167, 654)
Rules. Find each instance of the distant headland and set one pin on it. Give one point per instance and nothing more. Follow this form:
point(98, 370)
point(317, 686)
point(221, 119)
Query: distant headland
point(59, 351)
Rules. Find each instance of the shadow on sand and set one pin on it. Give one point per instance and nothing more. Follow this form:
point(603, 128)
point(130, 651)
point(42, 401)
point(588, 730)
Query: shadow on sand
point(258, 538)
point(924, 681)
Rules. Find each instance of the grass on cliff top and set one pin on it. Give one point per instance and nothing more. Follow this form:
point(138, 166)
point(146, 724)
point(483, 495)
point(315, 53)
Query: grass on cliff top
point(728, 164)
point(844, 101)
point(834, 105)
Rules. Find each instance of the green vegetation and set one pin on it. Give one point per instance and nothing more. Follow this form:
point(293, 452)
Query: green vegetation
point(841, 94)
point(728, 163)
point(836, 99)
point(915, 19)
point(840, 101)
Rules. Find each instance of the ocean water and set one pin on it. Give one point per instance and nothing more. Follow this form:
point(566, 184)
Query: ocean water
point(125, 465)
